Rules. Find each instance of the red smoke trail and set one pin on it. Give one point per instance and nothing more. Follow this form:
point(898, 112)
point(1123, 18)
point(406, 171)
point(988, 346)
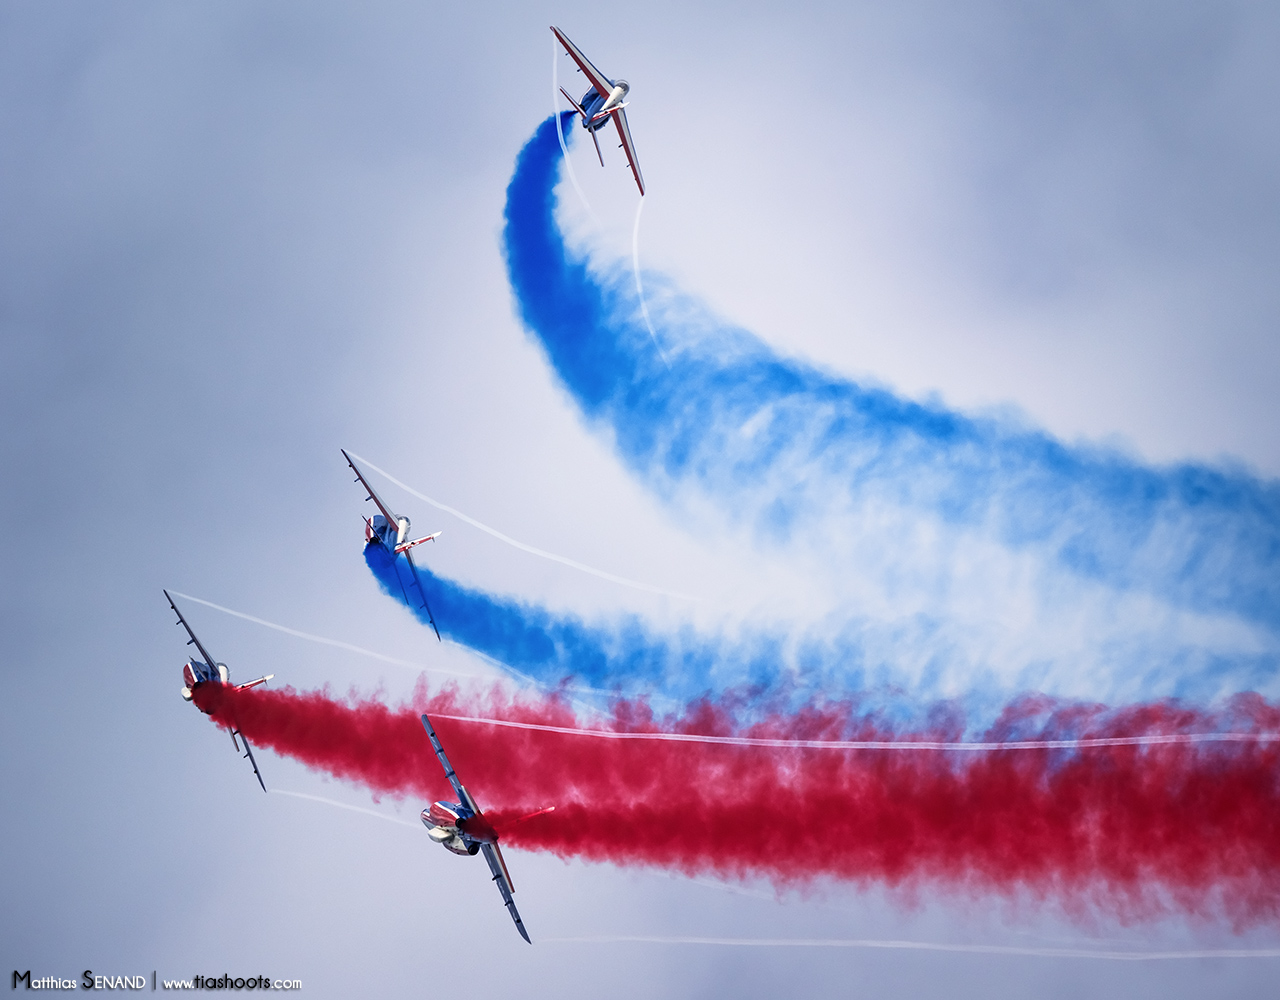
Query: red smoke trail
point(1136, 831)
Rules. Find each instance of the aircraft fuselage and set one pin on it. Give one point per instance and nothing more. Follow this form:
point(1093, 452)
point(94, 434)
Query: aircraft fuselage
point(390, 535)
point(195, 673)
point(596, 106)
point(457, 828)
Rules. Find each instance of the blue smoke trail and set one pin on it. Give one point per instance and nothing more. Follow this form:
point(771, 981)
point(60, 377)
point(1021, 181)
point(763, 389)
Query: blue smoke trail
point(786, 447)
point(755, 672)
point(552, 649)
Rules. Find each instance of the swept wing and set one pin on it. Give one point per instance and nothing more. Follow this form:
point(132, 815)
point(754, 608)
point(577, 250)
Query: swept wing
point(413, 566)
point(492, 853)
point(248, 752)
point(629, 147)
point(449, 772)
point(373, 495)
point(209, 661)
point(598, 80)
point(405, 547)
point(502, 879)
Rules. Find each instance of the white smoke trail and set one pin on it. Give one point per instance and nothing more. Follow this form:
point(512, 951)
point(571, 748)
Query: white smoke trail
point(555, 112)
point(573, 179)
point(343, 805)
point(971, 949)
point(563, 560)
point(749, 741)
point(635, 267)
point(1165, 739)
point(323, 640)
point(497, 664)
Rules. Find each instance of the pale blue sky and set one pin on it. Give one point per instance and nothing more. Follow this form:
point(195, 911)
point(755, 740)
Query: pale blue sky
point(238, 236)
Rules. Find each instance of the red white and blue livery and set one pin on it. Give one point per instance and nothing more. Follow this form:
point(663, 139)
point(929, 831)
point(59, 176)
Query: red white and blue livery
point(460, 827)
point(196, 673)
point(392, 533)
point(606, 101)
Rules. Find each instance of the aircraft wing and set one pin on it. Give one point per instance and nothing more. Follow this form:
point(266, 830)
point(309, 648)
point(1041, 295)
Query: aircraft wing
point(624, 133)
point(209, 661)
point(449, 773)
point(422, 593)
point(503, 880)
point(248, 752)
point(490, 851)
point(392, 520)
point(598, 80)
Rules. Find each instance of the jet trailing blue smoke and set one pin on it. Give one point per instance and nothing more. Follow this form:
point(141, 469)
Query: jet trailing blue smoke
point(755, 673)
point(620, 656)
point(932, 559)
point(789, 450)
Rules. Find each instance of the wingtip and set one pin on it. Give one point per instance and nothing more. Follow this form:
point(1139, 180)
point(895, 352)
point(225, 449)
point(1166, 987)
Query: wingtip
point(520, 925)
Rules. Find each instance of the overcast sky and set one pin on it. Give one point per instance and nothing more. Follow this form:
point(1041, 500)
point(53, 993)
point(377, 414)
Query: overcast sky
point(238, 236)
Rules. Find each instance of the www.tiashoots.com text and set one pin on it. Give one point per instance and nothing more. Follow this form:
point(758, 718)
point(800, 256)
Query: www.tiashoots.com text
point(88, 980)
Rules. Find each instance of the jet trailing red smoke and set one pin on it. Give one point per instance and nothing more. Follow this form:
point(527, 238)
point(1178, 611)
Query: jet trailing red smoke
point(1136, 831)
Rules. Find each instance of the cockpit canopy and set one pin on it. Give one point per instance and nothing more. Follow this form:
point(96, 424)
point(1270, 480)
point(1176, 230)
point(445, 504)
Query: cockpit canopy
point(446, 814)
point(196, 672)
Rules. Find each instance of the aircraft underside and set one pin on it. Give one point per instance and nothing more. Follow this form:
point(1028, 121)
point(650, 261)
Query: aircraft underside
point(592, 102)
point(444, 821)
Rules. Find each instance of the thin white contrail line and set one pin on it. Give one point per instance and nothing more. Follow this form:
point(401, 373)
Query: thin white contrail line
point(501, 666)
point(573, 178)
point(343, 805)
point(322, 640)
point(750, 741)
point(563, 560)
point(555, 111)
point(572, 688)
point(973, 949)
point(635, 267)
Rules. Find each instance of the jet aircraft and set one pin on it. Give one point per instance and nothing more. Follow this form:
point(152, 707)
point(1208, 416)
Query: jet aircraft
point(392, 533)
point(461, 828)
point(195, 673)
point(605, 100)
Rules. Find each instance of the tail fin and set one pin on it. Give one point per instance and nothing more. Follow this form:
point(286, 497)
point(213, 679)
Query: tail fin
point(576, 106)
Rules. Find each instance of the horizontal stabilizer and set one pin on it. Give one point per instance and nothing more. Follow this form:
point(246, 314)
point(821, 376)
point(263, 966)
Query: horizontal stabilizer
point(404, 546)
point(601, 115)
point(576, 106)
